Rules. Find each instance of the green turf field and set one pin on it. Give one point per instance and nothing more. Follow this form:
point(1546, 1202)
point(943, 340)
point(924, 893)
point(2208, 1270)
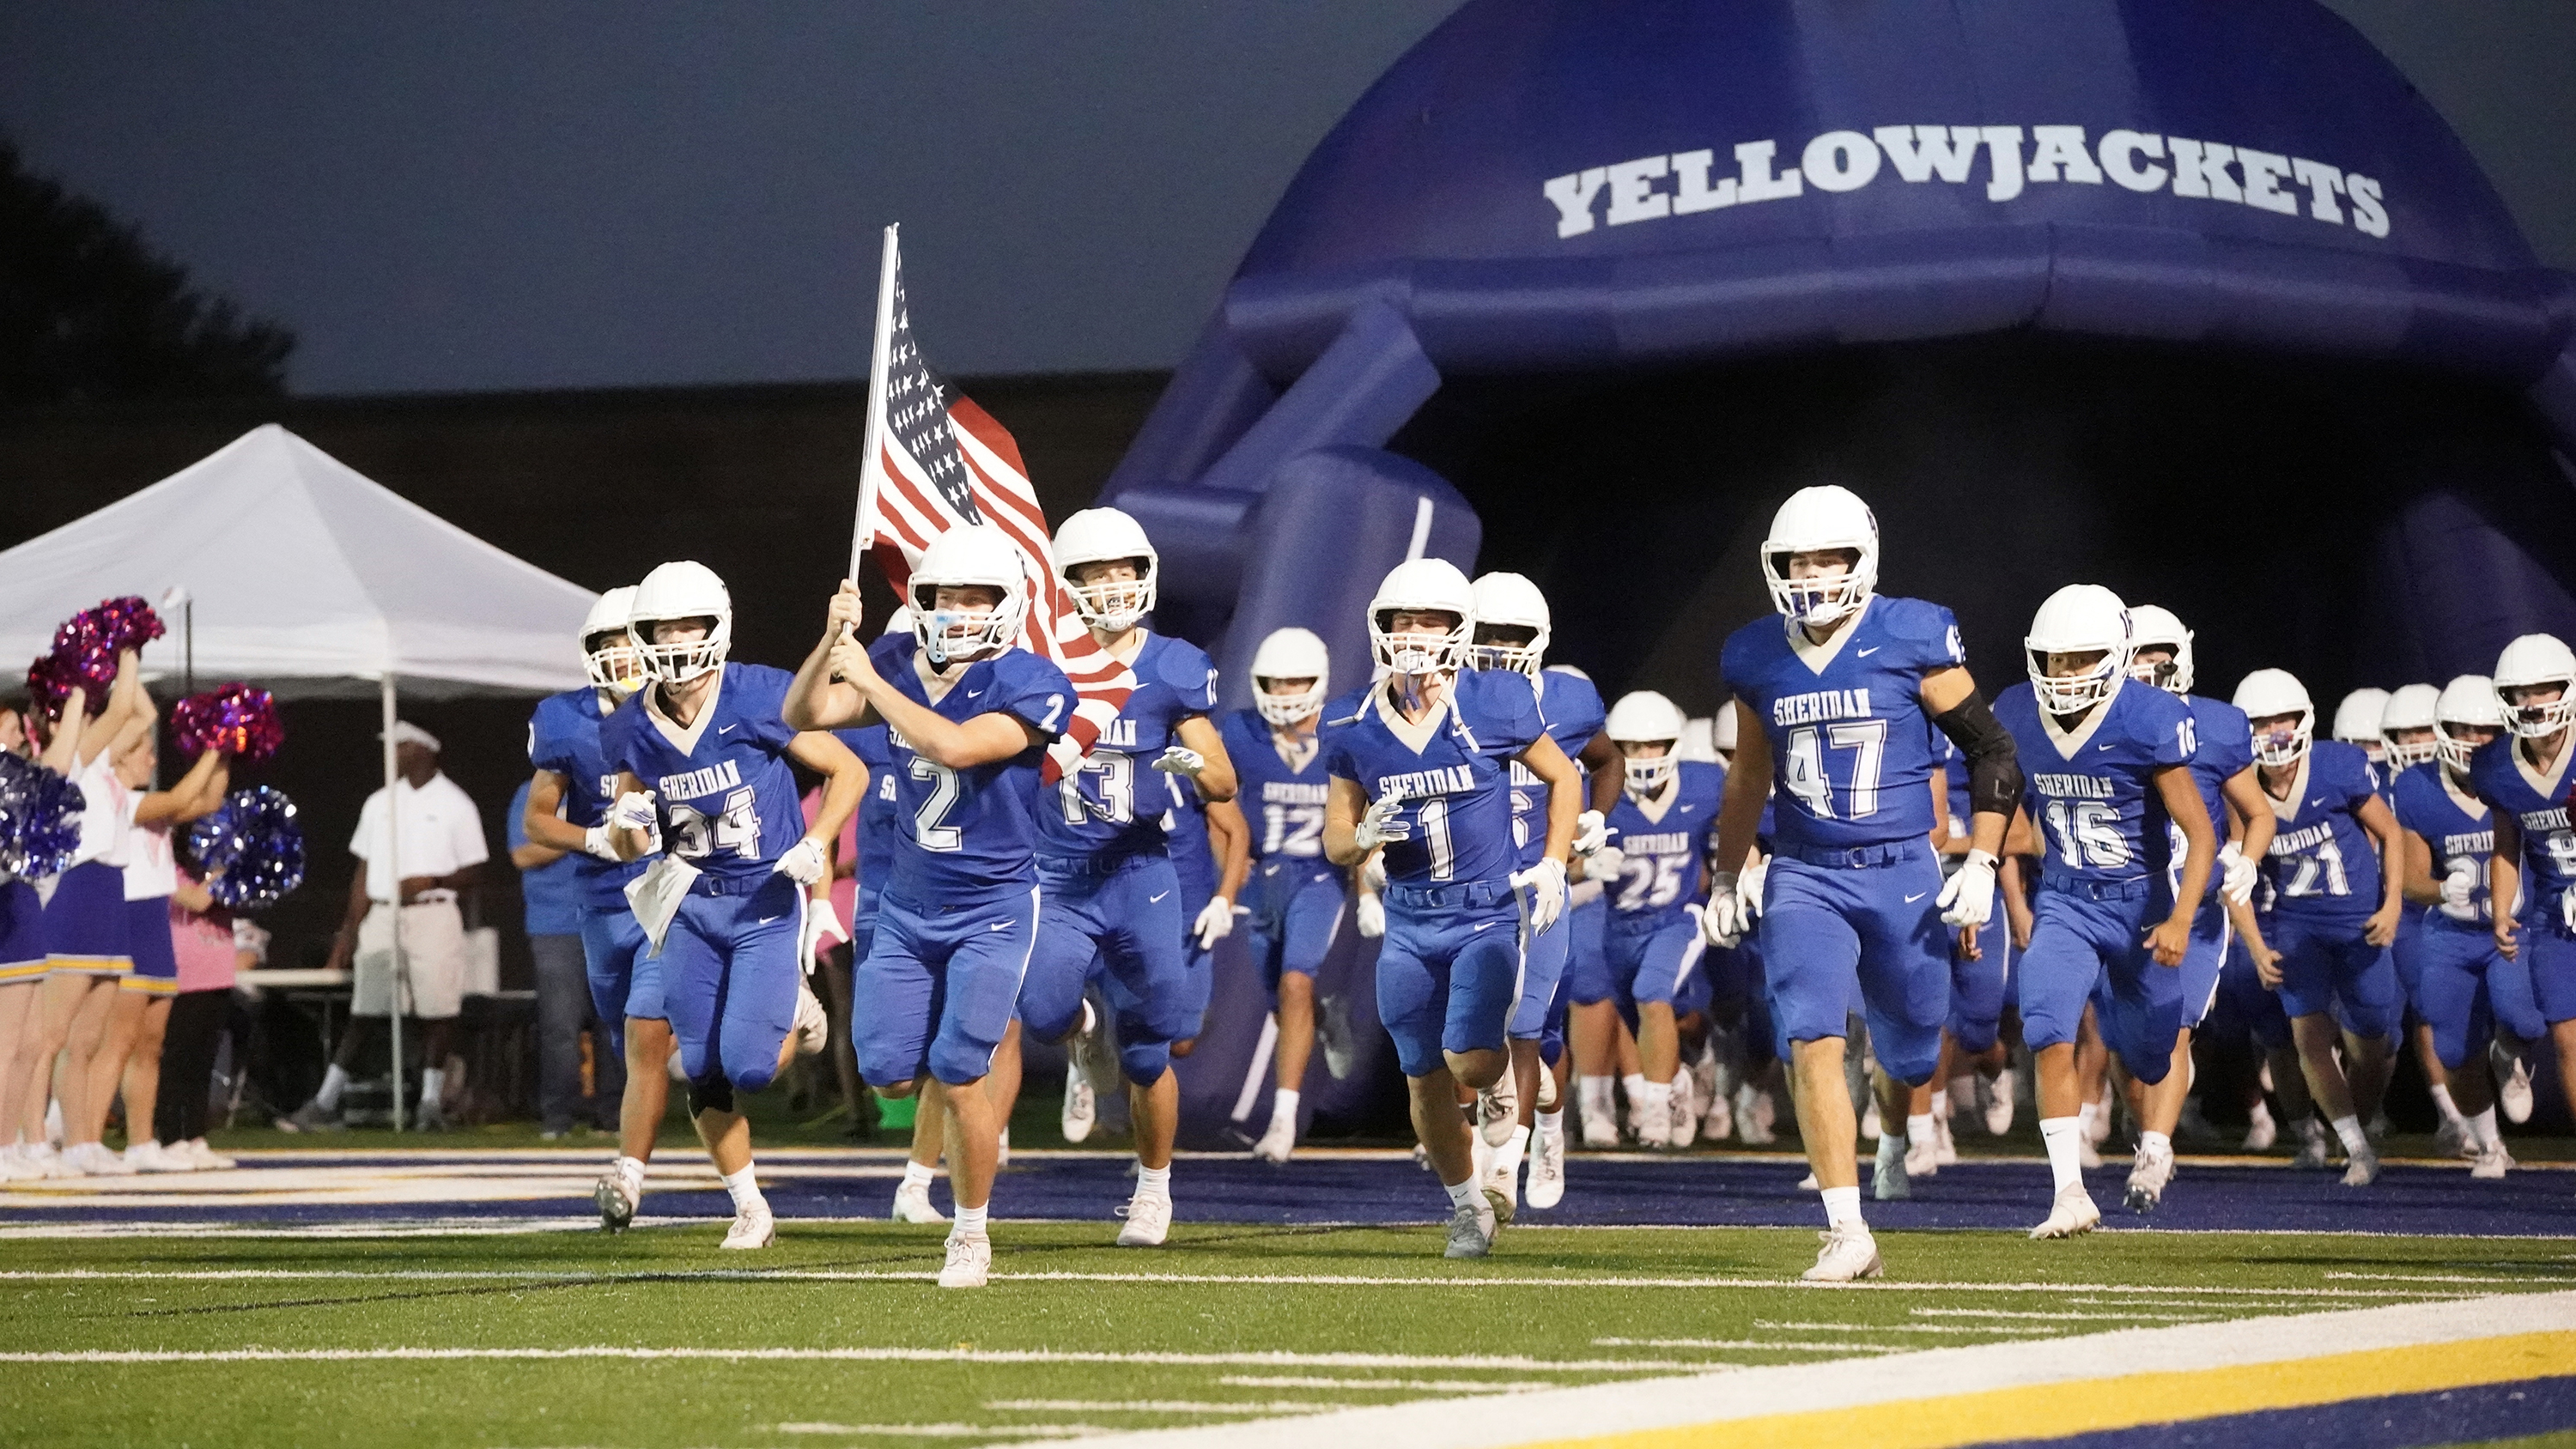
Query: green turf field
point(864, 1343)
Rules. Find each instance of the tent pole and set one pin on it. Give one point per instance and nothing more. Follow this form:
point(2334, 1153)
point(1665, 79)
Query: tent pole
point(393, 868)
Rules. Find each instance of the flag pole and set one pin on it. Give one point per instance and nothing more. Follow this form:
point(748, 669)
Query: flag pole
point(871, 461)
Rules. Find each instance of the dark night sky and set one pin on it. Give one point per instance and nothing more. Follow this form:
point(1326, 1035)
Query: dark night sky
point(502, 195)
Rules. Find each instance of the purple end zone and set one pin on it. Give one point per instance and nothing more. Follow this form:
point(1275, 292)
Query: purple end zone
point(2399, 1421)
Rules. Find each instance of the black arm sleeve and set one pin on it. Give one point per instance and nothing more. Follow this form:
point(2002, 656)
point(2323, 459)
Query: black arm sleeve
point(1994, 770)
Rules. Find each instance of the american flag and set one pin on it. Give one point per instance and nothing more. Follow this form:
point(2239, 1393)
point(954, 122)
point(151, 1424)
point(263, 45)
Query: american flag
point(940, 461)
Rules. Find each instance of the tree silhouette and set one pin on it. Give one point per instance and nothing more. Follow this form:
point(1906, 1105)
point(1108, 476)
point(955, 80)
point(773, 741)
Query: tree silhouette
point(90, 313)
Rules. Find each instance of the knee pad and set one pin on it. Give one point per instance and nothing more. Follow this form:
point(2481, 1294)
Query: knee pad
point(710, 1093)
point(1144, 1062)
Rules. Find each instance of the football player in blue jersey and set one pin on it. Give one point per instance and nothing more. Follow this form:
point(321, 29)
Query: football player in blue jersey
point(2333, 909)
point(703, 778)
point(2356, 723)
point(1837, 700)
point(970, 715)
point(1297, 897)
point(2222, 769)
point(568, 800)
point(1111, 897)
point(2525, 778)
point(2463, 986)
point(2110, 783)
point(1417, 768)
point(1660, 834)
point(1511, 632)
point(2408, 739)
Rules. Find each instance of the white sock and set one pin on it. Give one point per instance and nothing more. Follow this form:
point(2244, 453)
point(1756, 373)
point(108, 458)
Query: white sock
point(432, 1082)
point(1919, 1129)
point(1634, 1084)
point(2348, 1129)
point(1283, 1106)
point(1597, 1102)
point(1507, 1158)
point(334, 1082)
point(1153, 1181)
point(1552, 1124)
point(969, 1222)
point(630, 1168)
point(2443, 1104)
point(2482, 1129)
point(2153, 1143)
point(1842, 1207)
point(2065, 1161)
point(746, 1193)
point(1464, 1194)
point(916, 1175)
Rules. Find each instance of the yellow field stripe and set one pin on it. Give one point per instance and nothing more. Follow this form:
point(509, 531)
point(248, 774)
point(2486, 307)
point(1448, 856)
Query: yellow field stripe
point(2089, 1405)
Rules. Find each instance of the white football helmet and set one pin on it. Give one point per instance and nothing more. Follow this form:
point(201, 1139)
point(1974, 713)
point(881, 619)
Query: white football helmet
point(2536, 659)
point(1422, 584)
point(1723, 736)
point(682, 590)
point(1699, 740)
point(2412, 707)
point(608, 646)
point(1639, 717)
point(2078, 619)
point(2467, 700)
point(2269, 692)
point(2356, 720)
point(1829, 516)
point(1098, 535)
point(2153, 626)
point(1290, 653)
point(966, 556)
point(1514, 602)
point(898, 622)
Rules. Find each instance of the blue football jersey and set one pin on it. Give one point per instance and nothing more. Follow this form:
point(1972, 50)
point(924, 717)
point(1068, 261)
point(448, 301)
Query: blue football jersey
point(722, 787)
point(1283, 798)
point(564, 737)
point(1115, 803)
point(1851, 748)
point(2502, 778)
point(878, 813)
point(1185, 833)
point(2322, 863)
point(2092, 789)
point(2458, 829)
point(1664, 848)
point(2226, 749)
point(963, 836)
point(1455, 788)
point(1574, 713)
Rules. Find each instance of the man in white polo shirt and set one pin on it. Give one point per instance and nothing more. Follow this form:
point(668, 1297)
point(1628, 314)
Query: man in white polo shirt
point(440, 850)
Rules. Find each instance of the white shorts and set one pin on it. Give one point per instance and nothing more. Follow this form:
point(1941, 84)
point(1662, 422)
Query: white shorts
point(434, 958)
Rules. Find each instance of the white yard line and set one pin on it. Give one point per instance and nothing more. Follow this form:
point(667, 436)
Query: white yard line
point(1765, 1344)
point(1432, 1386)
point(2060, 1317)
point(1166, 1406)
point(951, 1431)
point(2525, 1281)
point(856, 1355)
point(1896, 1327)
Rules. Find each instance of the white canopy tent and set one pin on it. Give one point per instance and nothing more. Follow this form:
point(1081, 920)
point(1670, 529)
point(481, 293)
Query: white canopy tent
point(306, 578)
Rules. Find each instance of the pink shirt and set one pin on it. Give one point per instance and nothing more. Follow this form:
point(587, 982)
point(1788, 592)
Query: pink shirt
point(204, 946)
point(845, 888)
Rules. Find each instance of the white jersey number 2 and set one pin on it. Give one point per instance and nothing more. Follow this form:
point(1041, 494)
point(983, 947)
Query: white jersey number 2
point(1809, 780)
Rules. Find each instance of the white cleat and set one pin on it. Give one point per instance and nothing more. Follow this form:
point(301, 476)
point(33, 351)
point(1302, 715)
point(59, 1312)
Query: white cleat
point(970, 1262)
point(2513, 1084)
point(1081, 1109)
point(2148, 1176)
point(1887, 1179)
point(1652, 1122)
point(1502, 1187)
point(95, 1159)
point(1718, 1122)
point(2263, 1131)
point(1682, 1120)
point(1547, 1165)
point(207, 1158)
point(618, 1196)
point(1498, 1108)
point(2313, 1153)
point(1923, 1159)
point(47, 1160)
point(1999, 1102)
point(1849, 1253)
point(1945, 1148)
point(912, 1204)
point(1471, 1232)
point(2493, 1162)
point(1149, 1221)
point(151, 1156)
point(2361, 1169)
point(1754, 1116)
point(1278, 1142)
point(2451, 1139)
point(813, 1024)
point(2072, 1215)
point(752, 1228)
point(2087, 1156)
point(1599, 1133)
point(1547, 1098)
point(14, 1166)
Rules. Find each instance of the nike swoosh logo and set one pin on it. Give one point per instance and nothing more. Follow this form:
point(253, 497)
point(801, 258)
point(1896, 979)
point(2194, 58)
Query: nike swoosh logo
point(1909, 900)
point(2105, 747)
point(1865, 653)
point(974, 694)
point(1488, 925)
point(765, 920)
point(999, 926)
point(1149, 900)
point(724, 729)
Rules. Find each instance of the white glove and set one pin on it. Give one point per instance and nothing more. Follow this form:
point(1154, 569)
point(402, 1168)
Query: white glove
point(2567, 907)
point(594, 841)
point(2236, 874)
point(1968, 897)
point(804, 862)
point(1369, 913)
point(1381, 825)
point(634, 811)
point(822, 923)
point(1545, 882)
point(1373, 874)
point(1066, 751)
point(1181, 760)
point(1723, 921)
point(1605, 864)
point(1749, 884)
point(1591, 832)
point(1215, 922)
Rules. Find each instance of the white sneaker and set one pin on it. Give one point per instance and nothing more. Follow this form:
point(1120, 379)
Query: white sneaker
point(1848, 1253)
point(47, 1160)
point(2313, 1152)
point(1999, 1102)
point(617, 1197)
point(2451, 1139)
point(752, 1228)
point(912, 1204)
point(2072, 1215)
point(151, 1156)
point(207, 1158)
point(1599, 1132)
point(1081, 1109)
point(2361, 1169)
point(14, 1166)
point(1471, 1232)
point(1888, 1180)
point(1547, 1165)
point(1498, 1108)
point(1682, 1121)
point(2513, 1084)
point(1149, 1221)
point(813, 1025)
point(969, 1263)
point(1923, 1159)
point(1279, 1141)
point(95, 1159)
point(2148, 1176)
point(1945, 1148)
point(1754, 1116)
point(2492, 1162)
point(2263, 1131)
